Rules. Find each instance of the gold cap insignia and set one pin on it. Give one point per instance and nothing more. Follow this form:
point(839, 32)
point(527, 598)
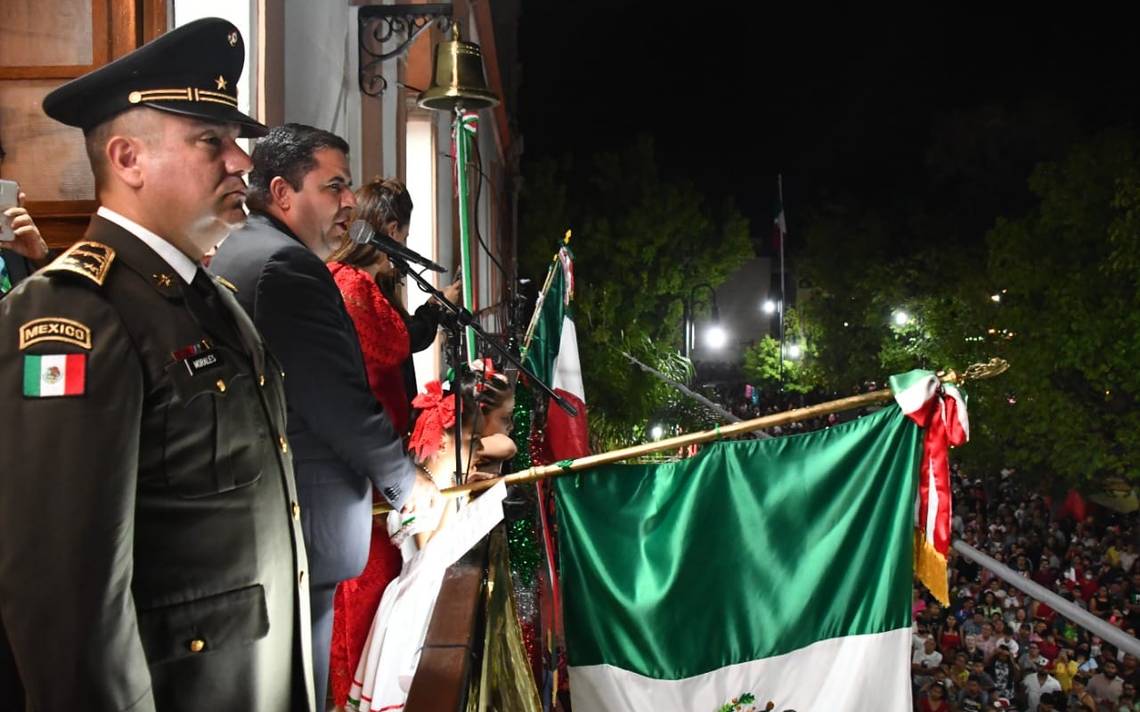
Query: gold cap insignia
point(221, 82)
point(232, 38)
point(55, 329)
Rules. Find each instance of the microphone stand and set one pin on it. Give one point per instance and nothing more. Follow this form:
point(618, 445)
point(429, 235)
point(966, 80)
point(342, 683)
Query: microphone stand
point(460, 318)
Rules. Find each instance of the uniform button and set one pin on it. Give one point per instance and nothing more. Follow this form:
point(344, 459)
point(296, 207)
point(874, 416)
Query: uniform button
point(301, 576)
point(221, 386)
point(197, 645)
point(296, 510)
point(261, 380)
point(284, 445)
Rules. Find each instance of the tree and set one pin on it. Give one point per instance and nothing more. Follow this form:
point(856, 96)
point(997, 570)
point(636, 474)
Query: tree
point(800, 372)
point(1054, 290)
point(641, 240)
point(1069, 318)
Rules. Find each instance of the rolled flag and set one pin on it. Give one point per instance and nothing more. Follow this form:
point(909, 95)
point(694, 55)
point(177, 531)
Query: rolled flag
point(553, 356)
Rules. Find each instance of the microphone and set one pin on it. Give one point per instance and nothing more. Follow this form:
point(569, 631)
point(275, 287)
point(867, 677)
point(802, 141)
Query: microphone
point(362, 233)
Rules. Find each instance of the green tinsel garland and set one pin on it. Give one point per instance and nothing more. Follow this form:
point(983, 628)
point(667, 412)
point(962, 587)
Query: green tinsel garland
point(525, 555)
point(524, 410)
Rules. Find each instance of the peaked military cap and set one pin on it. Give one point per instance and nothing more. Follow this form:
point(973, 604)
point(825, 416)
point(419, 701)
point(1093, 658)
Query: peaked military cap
point(192, 70)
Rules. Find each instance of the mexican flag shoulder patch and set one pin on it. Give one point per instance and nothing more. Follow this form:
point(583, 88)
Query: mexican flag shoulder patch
point(54, 375)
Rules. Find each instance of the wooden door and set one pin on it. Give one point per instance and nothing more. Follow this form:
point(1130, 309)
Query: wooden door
point(44, 43)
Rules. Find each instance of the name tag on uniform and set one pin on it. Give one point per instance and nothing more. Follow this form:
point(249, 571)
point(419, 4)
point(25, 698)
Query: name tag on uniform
point(202, 362)
point(198, 357)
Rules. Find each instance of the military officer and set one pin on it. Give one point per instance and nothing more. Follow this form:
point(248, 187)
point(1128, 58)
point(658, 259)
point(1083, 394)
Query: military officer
point(151, 555)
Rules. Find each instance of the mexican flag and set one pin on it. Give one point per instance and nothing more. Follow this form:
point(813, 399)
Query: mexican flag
point(553, 356)
point(765, 570)
point(54, 375)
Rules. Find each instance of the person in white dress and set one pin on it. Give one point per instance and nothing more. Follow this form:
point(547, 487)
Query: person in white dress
point(392, 651)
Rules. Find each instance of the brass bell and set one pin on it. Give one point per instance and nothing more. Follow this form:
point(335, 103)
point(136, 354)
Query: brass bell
point(457, 77)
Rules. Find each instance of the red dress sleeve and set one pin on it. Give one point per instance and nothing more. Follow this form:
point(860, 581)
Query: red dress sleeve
point(383, 339)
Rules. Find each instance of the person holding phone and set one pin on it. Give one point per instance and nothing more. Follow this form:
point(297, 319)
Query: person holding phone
point(21, 244)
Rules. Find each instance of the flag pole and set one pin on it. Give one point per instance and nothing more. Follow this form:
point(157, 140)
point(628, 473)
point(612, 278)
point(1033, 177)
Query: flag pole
point(976, 372)
point(465, 125)
point(541, 298)
point(783, 296)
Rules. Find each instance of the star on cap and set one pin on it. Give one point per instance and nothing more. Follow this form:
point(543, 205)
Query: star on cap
point(173, 72)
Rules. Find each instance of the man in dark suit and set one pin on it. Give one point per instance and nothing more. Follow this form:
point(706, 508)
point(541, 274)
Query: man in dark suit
point(301, 200)
point(151, 554)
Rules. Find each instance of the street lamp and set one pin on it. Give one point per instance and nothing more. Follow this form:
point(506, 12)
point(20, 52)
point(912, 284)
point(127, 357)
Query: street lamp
point(769, 306)
point(656, 432)
point(901, 318)
point(716, 336)
point(794, 352)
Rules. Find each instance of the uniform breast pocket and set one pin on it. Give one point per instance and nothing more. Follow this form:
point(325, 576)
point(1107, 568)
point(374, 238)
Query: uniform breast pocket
point(217, 437)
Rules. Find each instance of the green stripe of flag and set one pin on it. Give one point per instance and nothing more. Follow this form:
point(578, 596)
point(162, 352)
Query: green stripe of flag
point(32, 375)
point(750, 550)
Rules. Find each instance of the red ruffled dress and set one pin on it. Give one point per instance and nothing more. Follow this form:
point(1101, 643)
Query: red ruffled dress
point(385, 343)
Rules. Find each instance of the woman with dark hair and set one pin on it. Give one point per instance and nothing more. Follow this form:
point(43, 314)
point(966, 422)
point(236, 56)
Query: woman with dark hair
point(391, 654)
point(388, 336)
point(365, 273)
point(950, 637)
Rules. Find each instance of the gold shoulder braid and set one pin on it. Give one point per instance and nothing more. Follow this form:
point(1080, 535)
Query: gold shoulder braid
point(89, 259)
point(226, 283)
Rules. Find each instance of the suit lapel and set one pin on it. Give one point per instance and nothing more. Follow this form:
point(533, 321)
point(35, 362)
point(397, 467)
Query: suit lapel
point(247, 332)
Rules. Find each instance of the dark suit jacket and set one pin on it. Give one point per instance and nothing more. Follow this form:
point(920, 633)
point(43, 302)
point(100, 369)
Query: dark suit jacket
point(151, 553)
point(343, 443)
point(422, 328)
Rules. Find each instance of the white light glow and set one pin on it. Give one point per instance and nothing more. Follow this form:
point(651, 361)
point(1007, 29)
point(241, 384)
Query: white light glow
point(716, 337)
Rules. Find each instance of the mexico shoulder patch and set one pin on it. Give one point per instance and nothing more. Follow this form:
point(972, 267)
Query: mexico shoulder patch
point(55, 329)
point(54, 375)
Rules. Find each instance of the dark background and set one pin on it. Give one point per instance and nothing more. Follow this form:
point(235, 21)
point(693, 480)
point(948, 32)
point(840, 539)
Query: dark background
point(952, 108)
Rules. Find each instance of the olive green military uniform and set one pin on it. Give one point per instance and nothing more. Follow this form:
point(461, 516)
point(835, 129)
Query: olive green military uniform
point(151, 553)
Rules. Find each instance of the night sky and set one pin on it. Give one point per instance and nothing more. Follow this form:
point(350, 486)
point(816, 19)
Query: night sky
point(844, 103)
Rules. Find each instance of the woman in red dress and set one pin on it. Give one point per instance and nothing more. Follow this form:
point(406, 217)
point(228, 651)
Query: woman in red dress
point(386, 339)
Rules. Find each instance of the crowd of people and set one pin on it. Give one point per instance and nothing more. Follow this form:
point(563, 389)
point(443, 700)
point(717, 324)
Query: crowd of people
point(995, 647)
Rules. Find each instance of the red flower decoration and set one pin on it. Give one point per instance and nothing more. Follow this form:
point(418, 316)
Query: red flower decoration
point(437, 414)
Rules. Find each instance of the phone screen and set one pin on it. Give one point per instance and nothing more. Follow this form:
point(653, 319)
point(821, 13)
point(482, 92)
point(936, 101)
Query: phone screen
point(9, 198)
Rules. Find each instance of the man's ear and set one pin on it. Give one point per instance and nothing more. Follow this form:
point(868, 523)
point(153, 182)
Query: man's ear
point(281, 193)
point(124, 160)
point(391, 228)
